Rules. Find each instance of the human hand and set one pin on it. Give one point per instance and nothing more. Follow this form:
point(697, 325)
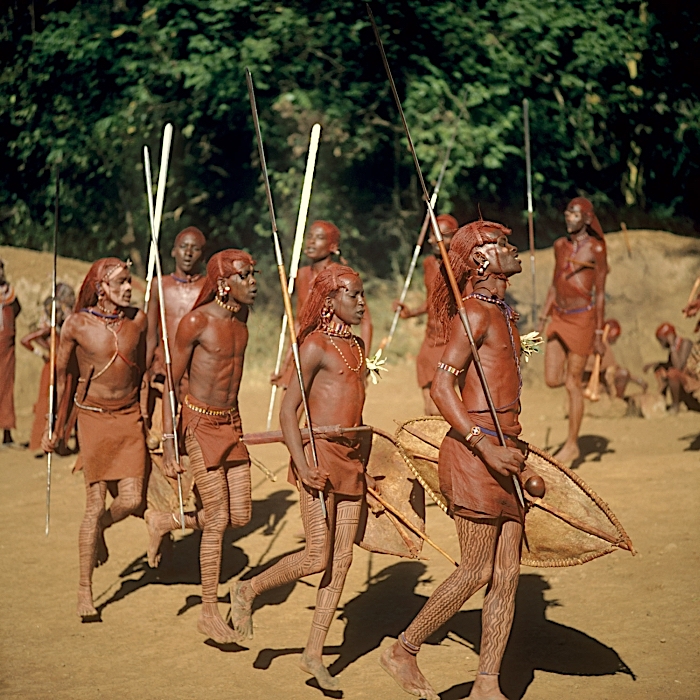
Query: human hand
point(275, 378)
point(691, 309)
point(405, 311)
point(504, 460)
point(171, 467)
point(599, 345)
point(311, 477)
point(50, 445)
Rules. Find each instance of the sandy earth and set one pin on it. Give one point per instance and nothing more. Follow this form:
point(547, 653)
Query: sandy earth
point(620, 627)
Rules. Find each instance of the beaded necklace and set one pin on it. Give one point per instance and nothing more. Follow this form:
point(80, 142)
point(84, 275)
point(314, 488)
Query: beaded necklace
point(190, 279)
point(229, 307)
point(342, 330)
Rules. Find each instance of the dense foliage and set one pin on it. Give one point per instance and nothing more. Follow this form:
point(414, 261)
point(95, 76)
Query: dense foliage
point(612, 86)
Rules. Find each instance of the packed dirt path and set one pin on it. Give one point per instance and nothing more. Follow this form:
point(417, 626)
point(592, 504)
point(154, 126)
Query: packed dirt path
point(620, 627)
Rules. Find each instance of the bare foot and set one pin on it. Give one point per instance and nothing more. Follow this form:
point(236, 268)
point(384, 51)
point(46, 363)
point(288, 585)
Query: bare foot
point(101, 551)
point(211, 625)
point(486, 688)
point(316, 668)
point(86, 608)
point(159, 524)
point(568, 453)
point(403, 668)
point(242, 597)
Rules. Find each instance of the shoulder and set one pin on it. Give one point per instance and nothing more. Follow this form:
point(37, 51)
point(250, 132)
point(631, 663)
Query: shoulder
point(194, 321)
point(74, 325)
point(135, 315)
point(598, 247)
point(560, 243)
point(304, 273)
point(315, 346)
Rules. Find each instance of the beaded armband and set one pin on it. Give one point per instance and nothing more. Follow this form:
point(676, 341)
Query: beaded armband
point(450, 369)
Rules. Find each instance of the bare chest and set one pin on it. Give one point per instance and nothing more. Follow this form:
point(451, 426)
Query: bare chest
point(224, 339)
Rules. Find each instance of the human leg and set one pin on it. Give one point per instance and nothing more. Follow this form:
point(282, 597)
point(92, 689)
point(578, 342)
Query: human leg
point(239, 493)
point(574, 371)
point(87, 544)
point(346, 519)
point(213, 490)
point(311, 560)
point(554, 363)
point(675, 386)
point(477, 541)
point(497, 613)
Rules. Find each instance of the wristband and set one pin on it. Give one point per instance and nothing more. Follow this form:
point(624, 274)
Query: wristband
point(168, 436)
point(599, 331)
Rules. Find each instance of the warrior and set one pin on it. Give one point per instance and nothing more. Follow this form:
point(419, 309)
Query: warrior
point(322, 244)
point(334, 370)
point(107, 338)
point(476, 472)
point(680, 374)
point(614, 377)
point(9, 310)
point(38, 342)
point(180, 291)
point(211, 341)
point(576, 304)
point(433, 345)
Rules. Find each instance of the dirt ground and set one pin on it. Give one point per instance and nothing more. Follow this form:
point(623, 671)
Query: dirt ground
point(618, 628)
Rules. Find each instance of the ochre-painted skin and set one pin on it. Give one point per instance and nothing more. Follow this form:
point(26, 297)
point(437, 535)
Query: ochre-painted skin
point(573, 287)
point(490, 547)
point(93, 344)
point(320, 250)
point(179, 296)
point(8, 315)
point(211, 341)
point(336, 394)
point(431, 266)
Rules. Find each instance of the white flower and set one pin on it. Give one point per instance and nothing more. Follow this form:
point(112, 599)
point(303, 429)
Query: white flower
point(529, 344)
point(375, 365)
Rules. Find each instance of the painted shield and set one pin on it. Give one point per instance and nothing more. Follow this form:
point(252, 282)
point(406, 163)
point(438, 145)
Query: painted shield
point(383, 532)
point(569, 525)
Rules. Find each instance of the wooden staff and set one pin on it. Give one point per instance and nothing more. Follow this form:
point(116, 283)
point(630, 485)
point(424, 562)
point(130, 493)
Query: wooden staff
point(52, 353)
point(591, 391)
point(156, 219)
point(324, 431)
point(530, 221)
point(282, 275)
point(296, 251)
point(445, 258)
point(694, 291)
point(384, 345)
point(400, 516)
point(626, 236)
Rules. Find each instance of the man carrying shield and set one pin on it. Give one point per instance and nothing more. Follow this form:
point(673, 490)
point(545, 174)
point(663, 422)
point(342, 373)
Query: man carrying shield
point(476, 472)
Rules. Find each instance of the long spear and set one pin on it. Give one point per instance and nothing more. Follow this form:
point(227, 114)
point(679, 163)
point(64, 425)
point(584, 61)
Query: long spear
point(296, 251)
point(52, 353)
point(282, 275)
point(152, 249)
point(156, 218)
point(443, 252)
point(530, 222)
point(419, 245)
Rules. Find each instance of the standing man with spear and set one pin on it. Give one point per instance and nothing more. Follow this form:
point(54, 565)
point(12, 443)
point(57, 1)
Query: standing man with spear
point(478, 468)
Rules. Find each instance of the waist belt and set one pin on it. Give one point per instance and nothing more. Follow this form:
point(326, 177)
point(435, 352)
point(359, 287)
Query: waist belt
point(210, 411)
point(580, 309)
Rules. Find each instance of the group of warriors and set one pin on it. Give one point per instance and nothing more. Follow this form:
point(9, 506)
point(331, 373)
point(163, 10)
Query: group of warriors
point(110, 365)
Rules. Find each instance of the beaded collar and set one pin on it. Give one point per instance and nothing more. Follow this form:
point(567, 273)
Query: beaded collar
point(339, 330)
point(190, 279)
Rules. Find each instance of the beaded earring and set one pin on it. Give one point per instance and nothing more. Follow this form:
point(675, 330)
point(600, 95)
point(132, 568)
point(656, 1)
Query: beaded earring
point(326, 314)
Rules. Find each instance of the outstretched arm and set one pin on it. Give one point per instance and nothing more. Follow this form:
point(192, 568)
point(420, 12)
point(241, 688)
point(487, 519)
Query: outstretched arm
point(311, 356)
point(601, 272)
point(40, 338)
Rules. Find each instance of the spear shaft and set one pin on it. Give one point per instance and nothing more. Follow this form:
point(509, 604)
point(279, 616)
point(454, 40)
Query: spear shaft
point(530, 221)
point(296, 252)
point(443, 252)
point(156, 218)
point(282, 275)
point(419, 245)
point(52, 353)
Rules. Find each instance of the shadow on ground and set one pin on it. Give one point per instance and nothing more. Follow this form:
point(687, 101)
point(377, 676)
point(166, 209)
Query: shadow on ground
point(390, 603)
point(593, 447)
point(180, 561)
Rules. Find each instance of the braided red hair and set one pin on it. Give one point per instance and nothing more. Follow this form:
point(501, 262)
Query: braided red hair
point(220, 266)
point(100, 271)
point(326, 285)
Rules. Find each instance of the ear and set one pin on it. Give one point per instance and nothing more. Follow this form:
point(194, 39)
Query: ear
point(98, 289)
point(334, 249)
point(587, 218)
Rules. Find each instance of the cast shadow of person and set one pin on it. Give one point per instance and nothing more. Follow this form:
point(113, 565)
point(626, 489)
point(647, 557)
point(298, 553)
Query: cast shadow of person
point(180, 562)
point(694, 442)
point(390, 603)
point(595, 445)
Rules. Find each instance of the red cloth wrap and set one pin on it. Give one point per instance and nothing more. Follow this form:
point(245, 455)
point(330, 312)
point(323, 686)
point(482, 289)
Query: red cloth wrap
point(7, 367)
point(343, 461)
point(219, 437)
point(112, 442)
point(575, 330)
point(472, 489)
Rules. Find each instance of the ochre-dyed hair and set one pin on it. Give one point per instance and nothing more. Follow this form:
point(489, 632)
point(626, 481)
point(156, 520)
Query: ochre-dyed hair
point(464, 241)
point(195, 232)
point(326, 285)
point(449, 221)
point(220, 265)
point(100, 272)
point(331, 230)
point(664, 329)
point(587, 208)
